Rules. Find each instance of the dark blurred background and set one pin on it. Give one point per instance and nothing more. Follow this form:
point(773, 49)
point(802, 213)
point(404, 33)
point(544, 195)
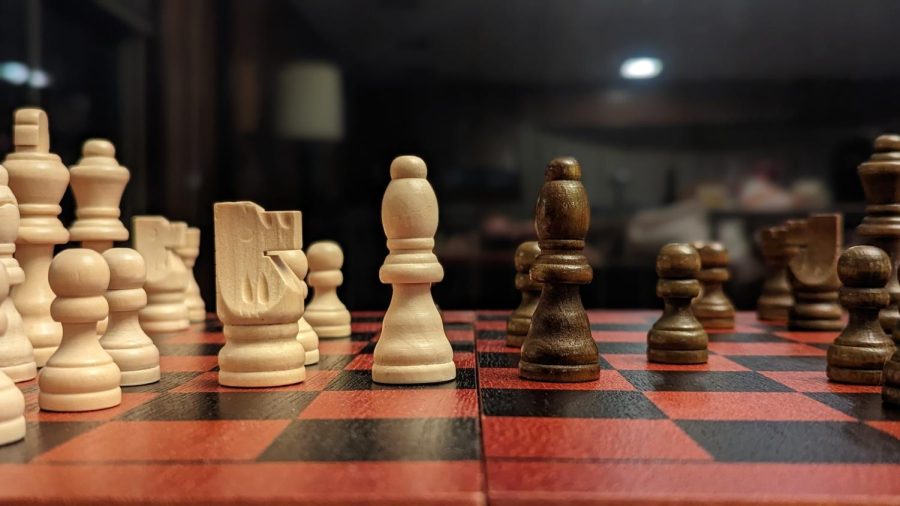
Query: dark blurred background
point(692, 120)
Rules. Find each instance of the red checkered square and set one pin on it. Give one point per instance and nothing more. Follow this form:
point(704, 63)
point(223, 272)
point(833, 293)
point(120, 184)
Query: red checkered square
point(170, 440)
point(578, 438)
point(743, 406)
point(815, 381)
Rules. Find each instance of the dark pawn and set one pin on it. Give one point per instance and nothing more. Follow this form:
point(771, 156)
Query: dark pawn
point(559, 346)
point(813, 275)
point(677, 337)
point(713, 309)
point(776, 300)
point(858, 355)
point(520, 320)
point(891, 390)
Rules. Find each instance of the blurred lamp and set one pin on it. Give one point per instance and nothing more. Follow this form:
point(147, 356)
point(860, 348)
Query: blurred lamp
point(641, 68)
point(38, 79)
point(310, 102)
point(14, 72)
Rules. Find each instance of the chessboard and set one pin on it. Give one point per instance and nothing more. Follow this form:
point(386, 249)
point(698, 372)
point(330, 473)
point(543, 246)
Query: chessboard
point(757, 424)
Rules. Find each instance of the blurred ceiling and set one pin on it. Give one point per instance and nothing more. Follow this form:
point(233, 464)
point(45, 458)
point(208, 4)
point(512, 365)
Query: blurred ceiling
point(583, 42)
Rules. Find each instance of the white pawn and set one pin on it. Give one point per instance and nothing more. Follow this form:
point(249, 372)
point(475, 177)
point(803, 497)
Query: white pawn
point(12, 407)
point(125, 341)
point(297, 262)
point(325, 312)
point(16, 351)
point(192, 298)
point(413, 347)
point(80, 375)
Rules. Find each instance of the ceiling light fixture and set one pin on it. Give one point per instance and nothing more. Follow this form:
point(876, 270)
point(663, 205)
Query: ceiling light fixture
point(641, 68)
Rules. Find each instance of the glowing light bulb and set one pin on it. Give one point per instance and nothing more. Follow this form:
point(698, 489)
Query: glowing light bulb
point(641, 68)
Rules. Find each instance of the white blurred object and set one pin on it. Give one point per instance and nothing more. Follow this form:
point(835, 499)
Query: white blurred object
point(713, 195)
point(759, 194)
point(310, 102)
point(651, 229)
point(810, 193)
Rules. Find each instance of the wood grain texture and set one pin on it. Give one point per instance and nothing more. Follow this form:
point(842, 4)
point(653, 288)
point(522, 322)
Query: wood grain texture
point(520, 320)
point(325, 312)
point(858, 354)
point(125, 341)
point(677, 337)
point(39, 180)
point(813, 274)
point(80, 375)
point(258, 298)
point(16, 351)
point(413, 348)
point(776, 299)
point(192, 297)
point(98, 182)
point(880, 177)
point(559, 346)
point(156, 239)
point(712, 308)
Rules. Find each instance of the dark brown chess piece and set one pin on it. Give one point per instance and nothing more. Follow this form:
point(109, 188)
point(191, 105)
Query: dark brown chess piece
point(890, 392)
point(520, 320)
point(677, 337)
point(712, 308)
point(559, 346)
point(776, 300)
point(813, 276)
point(858, 354)
point(880, 177)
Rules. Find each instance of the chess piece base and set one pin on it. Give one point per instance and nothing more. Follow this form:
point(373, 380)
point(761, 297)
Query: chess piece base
point(333, 331)
point(772, 313)
point(312, 357)
point(12, 430)
point(140, 377)
point(855, 376)
point(559, 373)
point(21, 372)
point(716, 323)
point(89, 401)
point(260, 379)
point(678, 356)
point(413, 374)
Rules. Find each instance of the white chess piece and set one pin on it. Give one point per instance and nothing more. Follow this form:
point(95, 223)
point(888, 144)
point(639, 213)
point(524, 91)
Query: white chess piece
point(258, 299)
point(156, 239)
point(39, 180)
point(12, 407)
point(16, 351)
point(192, 298)
point(80, 376)
point(125, 341)
point(296, 260)
point(97, 182)
point(325, 312)
point(413, 347)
